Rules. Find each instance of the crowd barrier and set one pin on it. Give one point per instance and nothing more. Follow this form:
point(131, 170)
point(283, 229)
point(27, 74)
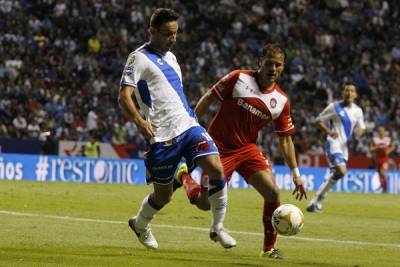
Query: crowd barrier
point(117, 171)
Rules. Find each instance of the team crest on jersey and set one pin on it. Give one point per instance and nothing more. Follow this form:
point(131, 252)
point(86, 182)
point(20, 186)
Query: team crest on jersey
point(273, 102)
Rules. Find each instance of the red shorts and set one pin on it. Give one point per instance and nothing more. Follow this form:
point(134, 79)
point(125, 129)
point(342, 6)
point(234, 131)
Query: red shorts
point(246, 161)
point(380, 162)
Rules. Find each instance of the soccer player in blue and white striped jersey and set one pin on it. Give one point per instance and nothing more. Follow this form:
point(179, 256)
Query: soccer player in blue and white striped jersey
point(153, 75)
point(338, 121)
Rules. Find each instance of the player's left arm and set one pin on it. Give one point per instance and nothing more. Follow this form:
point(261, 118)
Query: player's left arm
point(204, 103)
point(284, 128)
point(288, 151)
point(360, 129)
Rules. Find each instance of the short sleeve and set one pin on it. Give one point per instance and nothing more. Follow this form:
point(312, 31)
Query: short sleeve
point(327, 114)
point(360, 121)
point(224, 87)
point(133, 70)
point(283, 124)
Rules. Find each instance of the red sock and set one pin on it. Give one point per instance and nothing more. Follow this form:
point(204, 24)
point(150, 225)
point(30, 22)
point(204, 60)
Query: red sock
point(382, 178)
point(269, 232)
point(191, 187)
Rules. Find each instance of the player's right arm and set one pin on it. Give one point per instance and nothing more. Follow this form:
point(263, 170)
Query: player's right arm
point(324, 116)
point(129, 108)
point(134, 69)
point(204, 103)
point(219, 91)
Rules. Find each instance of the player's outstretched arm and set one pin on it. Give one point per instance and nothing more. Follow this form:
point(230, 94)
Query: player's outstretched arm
point(288, 151)
point(204, 103)
point(129, 108)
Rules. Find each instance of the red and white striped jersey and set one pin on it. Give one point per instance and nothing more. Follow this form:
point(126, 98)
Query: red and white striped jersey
point(246, 108)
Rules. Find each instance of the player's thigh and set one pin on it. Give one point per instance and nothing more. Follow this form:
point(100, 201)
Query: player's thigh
point(201, 150)
point(212, 165)
point(229, 164)
point(256, 170)
point(264, 183)
point(161, 162)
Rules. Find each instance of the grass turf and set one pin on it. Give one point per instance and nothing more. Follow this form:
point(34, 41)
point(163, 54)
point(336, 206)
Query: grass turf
point(354, 229)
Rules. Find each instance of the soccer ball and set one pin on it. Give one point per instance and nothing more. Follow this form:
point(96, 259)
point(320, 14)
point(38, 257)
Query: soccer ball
point(287, 219)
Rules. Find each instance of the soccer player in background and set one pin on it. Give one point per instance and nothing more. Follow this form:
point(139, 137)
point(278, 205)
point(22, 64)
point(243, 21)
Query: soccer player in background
point(338, 121)
point(382, 146)
point(153, 74)
point(250, 99)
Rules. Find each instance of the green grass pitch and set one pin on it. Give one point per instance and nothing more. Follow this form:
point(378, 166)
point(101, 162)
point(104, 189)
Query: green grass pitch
point(66, 224)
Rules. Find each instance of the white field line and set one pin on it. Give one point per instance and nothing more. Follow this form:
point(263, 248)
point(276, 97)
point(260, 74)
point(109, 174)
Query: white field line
point(77, 219)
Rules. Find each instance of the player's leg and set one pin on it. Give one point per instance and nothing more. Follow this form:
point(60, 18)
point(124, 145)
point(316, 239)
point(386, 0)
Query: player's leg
point(198, 194)
point(150, 206)
point(338, 170)
point(263, 182)
point(201, 199)
point(191, 187)
point(382, 168)
point(218, 199)
point(256, 170)
point(201, 150)
point(161, 162)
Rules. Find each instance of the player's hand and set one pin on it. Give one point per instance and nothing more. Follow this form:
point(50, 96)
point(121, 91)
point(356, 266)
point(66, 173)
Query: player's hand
point(333, 134)
point(299, 192)
point(147, 129)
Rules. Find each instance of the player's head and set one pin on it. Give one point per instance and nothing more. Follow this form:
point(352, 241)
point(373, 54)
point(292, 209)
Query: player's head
point(271, 63)
point(349, 92)
point(163, 28)
point(381, 131)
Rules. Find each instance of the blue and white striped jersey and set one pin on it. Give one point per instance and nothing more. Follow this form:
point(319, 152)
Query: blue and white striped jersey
point(157, 80)
point(342, 120)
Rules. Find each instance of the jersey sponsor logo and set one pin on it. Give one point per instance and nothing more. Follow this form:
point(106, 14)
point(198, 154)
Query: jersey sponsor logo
point(273, 102)
point(253, 110)
point(202, 146)
point(159, 61)
point(129, 69)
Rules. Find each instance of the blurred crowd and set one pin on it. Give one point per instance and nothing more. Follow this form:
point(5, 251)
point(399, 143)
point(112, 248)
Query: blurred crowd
point(61, 61)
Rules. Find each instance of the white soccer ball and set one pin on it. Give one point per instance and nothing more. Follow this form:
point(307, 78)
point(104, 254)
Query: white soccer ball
point(287, 219)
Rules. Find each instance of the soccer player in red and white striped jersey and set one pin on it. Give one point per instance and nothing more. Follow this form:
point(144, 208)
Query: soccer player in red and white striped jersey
point(382, 146)
point(251, 99)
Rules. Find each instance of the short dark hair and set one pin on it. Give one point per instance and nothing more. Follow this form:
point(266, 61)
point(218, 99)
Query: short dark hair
point(162, 15)
point(272, 48)
point(349, 83)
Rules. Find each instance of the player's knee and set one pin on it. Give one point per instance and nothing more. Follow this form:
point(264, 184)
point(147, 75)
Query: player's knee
point(339, 173)
point(161, 201)
point(272, 195)
point(216, 172)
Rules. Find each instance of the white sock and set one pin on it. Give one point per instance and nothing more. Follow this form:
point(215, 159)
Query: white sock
point(324, 188)
point(218, 199)
point(145, 214)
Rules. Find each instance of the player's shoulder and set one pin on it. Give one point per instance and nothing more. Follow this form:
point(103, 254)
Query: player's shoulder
point(280, 91)
point(234, 74)
point(136, 54)
point(357, 108)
